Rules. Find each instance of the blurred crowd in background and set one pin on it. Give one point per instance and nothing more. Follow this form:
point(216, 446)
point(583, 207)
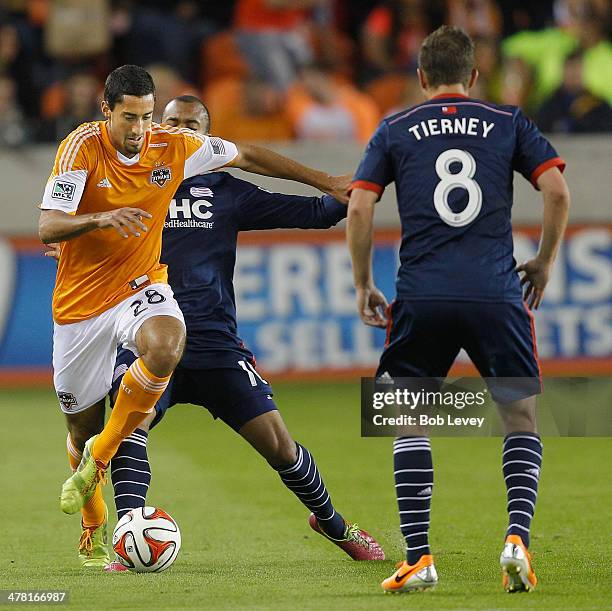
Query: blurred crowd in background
point(322, 70)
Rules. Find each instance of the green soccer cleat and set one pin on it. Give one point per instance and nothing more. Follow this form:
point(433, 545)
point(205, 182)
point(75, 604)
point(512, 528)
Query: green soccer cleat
point(81, 485)
point(93, 545)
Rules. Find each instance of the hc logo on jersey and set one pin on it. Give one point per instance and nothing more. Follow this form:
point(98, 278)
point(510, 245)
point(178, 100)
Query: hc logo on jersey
point(160, 176)
point(63, 190)
point(189, 209)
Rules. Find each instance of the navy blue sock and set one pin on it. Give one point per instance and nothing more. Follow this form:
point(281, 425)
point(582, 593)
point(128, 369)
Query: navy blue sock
point(522, 461)
point(305, 481)
point(413, 470)
point(131, 473)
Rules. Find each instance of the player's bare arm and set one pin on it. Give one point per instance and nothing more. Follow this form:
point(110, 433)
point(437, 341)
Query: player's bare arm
point(58, 226)
point(260, 160)
point(556, 208)
point(371, 303)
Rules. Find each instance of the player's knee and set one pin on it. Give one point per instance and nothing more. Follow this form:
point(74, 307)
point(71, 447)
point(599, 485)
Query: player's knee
point(163, 352)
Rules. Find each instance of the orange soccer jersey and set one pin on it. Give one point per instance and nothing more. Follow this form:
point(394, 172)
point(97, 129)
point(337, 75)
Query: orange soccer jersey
point(90, 175)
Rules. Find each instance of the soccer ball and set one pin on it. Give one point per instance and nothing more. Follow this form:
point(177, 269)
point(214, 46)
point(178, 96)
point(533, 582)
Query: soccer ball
point(147, 540)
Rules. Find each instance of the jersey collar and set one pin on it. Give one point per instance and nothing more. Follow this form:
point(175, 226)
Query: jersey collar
point(449, 95)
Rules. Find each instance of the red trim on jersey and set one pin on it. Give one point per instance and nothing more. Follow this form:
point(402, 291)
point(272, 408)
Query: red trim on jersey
point(533, 340)
point(368, 186)
point(449, 95)
point(389, 314)
point(551, 163)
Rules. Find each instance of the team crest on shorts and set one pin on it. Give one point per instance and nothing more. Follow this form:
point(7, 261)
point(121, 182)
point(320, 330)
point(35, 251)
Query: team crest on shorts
point(67, 400)
point(160, 176)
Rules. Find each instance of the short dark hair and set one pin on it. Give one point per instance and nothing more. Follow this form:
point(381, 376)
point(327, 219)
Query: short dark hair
point(192, 99)
point(447, 57)
point(127, 80)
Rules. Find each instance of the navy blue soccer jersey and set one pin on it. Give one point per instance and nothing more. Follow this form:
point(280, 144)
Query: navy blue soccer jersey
point(199, 247)
point(452, 159)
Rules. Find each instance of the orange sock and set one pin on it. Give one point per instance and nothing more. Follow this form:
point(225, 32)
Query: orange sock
point(93, 511)
point(138, 393)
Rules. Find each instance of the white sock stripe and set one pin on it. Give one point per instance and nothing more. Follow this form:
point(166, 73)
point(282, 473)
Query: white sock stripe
point(411, 440)
point(534, 492)
point(412, 471)
point(404, 444)
point(307, 492)
point(414, 510)
point(530, 437)
point(533, 477)
point(74, 453)
point(423, 449)
point(130, 469)
point(518, 526)
point(138, 443)
point(138, 374)
point(424, 532)
point(538, 454)
point(127, 481)
point(316, 498)
point(290, 481)
point(523, 462)
point(525, 513)
point(417, 547)
point(129, 457)
point(139, 436)
point(310, 505)
point(145, 381)
point(134, 495)
point(419, 484)
point(314, 477)
point(414, 498)
point(521, 500)
point(415, 523)
point(330, 517)
point(298, 462)
point(72, 449)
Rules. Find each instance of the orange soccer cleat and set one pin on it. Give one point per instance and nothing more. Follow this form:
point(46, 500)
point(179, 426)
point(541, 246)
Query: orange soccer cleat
point(515, 561)
point(407, 578)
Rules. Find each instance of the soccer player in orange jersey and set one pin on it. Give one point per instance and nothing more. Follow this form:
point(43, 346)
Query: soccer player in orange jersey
point(106, 201)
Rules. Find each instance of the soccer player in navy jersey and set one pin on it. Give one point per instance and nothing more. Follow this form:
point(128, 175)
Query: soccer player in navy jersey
point(452, 159)
point(217, 371)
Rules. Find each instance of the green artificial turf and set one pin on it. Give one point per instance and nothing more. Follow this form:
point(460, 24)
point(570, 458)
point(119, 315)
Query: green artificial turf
point(246, 543)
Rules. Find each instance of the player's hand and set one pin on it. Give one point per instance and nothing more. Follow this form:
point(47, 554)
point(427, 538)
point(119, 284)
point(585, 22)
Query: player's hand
point(54, 250)
point(371, 305)
point(338, 187)
point(536, 273)
point(123, 220)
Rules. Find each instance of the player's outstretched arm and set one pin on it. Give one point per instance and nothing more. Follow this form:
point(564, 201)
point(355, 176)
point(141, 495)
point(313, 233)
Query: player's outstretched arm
point(58, 226)
point(260, 160)
point(556, 208)
point(371, 303)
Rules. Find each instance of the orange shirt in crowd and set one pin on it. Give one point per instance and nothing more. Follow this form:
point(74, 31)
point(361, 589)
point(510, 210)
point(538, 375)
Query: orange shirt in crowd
point(258, 15)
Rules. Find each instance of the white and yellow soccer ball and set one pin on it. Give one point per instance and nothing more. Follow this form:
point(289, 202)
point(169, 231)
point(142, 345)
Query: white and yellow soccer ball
point(147, 540)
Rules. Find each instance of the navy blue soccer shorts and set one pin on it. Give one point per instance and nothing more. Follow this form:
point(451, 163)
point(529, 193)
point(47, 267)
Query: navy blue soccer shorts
point(424, 338)
point(234, 394)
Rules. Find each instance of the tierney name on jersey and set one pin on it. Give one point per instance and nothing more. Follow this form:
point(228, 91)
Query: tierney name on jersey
point(438, 127)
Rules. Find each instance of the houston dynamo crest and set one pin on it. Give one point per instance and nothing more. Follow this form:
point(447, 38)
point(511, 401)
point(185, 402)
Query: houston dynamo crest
point(160, 176)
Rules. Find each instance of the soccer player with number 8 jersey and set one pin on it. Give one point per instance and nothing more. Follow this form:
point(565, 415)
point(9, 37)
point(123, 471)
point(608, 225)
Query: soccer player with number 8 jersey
point(452, 159)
